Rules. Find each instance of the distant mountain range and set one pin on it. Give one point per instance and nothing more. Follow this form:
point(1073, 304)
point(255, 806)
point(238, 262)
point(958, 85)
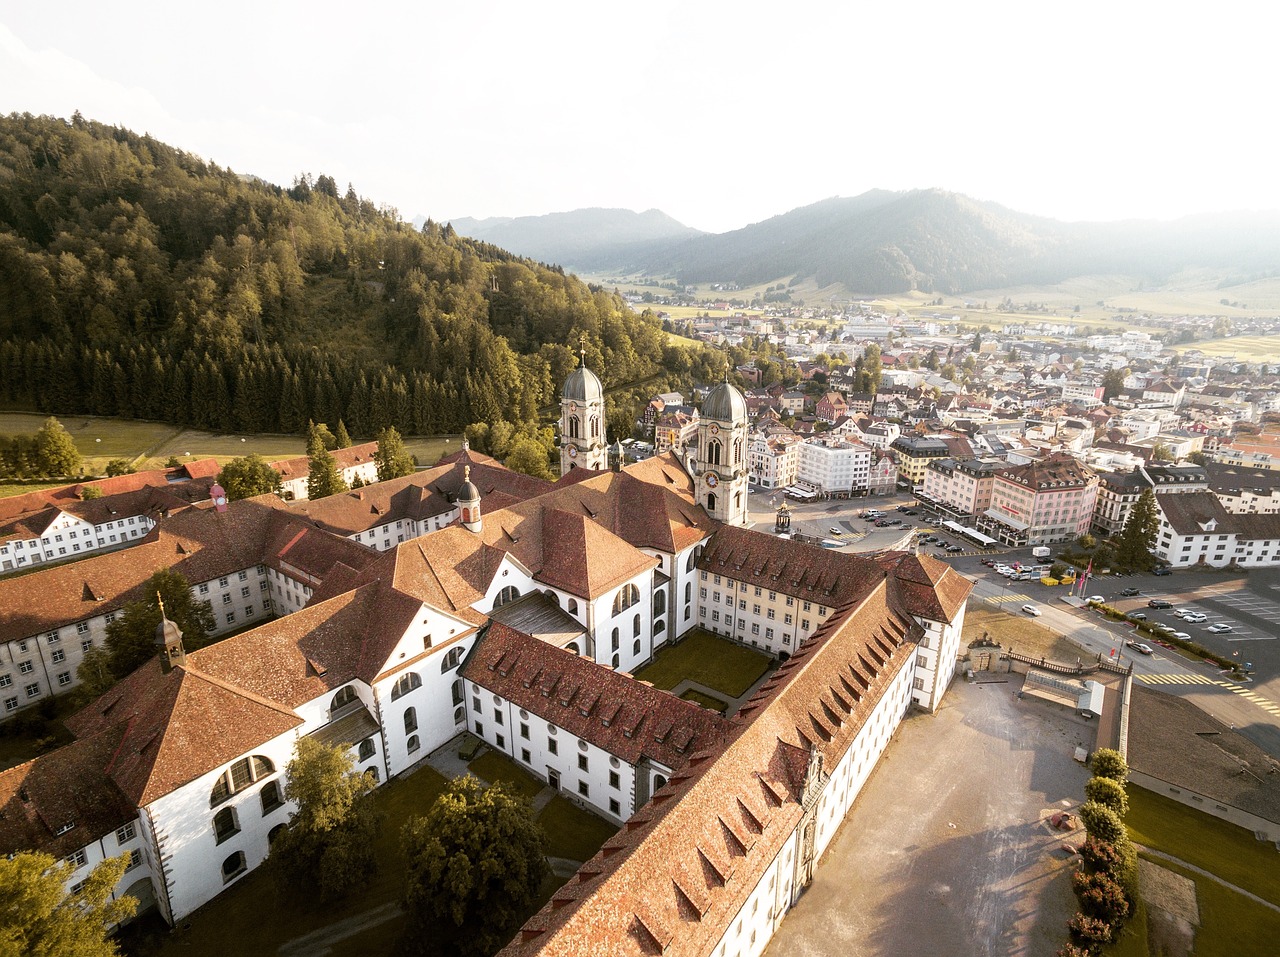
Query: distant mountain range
point(884, 242)
point(583, 235)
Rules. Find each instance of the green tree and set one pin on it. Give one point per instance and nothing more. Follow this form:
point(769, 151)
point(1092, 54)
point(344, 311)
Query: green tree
point(1109, 763)
point(1102, 823)
point(131, 638)
point(1100, 896)
point(527, 455)
point(323, 477)
point(120, 467)
point(90, 492)
point(56, 453)
point(94, 673)
point(328, 849)
point(475, 865)
point(247, 476)
point(341, 439)
point(1110, 792)
point(1160, 452)
point(392, 459)
point(1138, 537)
point(38, 918)
point(319, 432)
point(1113, 383)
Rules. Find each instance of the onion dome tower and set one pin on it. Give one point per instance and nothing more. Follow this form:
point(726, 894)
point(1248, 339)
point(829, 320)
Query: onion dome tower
point(720, 466)
point(582, 423)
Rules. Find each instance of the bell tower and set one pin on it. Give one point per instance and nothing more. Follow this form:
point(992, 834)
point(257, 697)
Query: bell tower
point(720, 467)
point(582, 421)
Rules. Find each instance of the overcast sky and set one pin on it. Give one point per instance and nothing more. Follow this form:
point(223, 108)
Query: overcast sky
point(719, 114)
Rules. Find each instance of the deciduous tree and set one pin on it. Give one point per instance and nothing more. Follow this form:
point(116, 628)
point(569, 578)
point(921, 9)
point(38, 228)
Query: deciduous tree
point(1109, 763)
point(327, 850)
point(528, 456)
point(56, 453)
point(38, 918)
point(247, 476)
point(475, 864)
point(131, 638)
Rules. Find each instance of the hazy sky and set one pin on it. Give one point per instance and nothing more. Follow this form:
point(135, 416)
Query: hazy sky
point(719, 114)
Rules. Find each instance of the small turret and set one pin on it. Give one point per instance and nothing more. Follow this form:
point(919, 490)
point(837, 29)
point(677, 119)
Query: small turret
point(169, 641)
point(615, 456)
point(219, 497)
point(469, 502)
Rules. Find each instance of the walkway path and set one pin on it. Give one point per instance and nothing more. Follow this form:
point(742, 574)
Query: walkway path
point(1160, 855)
point(733, 703)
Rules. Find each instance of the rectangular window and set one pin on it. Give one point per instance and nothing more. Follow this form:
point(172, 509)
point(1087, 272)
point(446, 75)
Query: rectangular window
point(497, 716)
point(584, 789)
point(204, 588)
point(922, 661)
point(614, 780)
point(86, 644)
point(771, 614)
point(524, 731)
point(244, 576)
point(135, 858)
point(222, 582)
point(244, 592)
point(5, 681)
point(127, 833)
point(77, 859)
point(500, 740)
point(786, 619)
point(479, 728)
point(64, 679)
point(82, 628)
point(10, 704)
point(52, 638)
point(553, 746)
point(231, 618)
point(524, 755)
point(614, 808)
point(33, 690)
point(768, 634)
point(58, 655)
point(582, 763)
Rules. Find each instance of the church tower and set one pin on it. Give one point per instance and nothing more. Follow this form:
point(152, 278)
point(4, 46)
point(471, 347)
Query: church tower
point(468, 499)
point(720, 466)
point(582, 425)
point(169, 641)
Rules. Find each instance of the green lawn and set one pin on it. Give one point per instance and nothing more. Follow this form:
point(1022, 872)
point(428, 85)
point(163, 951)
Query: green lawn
point(1231, 925)
point(1133, 939)
point(703, 657)
point(715, 704)
point(8, 491)
point(1224, 849)
point(494, 767)
point(573, 833)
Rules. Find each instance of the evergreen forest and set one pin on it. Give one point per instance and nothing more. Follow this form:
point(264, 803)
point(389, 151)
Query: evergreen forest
point(138, 280)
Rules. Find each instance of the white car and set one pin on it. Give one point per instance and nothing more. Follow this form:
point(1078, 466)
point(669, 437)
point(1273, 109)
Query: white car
point(1031, 610)
point(1181, 612)
point(1195, 617)
point(1221, 628)
point(1181, 635)
point(1095, 600)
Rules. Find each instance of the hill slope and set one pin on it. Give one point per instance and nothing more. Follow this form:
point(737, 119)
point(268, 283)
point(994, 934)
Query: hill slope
point(139, 280)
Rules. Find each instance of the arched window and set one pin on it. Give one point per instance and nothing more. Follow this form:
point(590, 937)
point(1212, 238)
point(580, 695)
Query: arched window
point(344, 697)
point(595, 426)
point(233, 866)
point(408, 681)
point(614, 645)
point(373, 773)
point(276, 832)
point(572, 648)
point(737, 500)
point(366, 749)
point(711, 501)
point(635, 647)
point(456, 690)
point(452, 659)
point(688, 592)
point(554, 598)
point(659, 628)
point(572, 607)
point(635, 627)
point(713, 452)
point(659, 602)
point(225, 824)
point(239, 776)
point(659, 782)
point(737, 451)
point(413, 743)
point(573, 427)
point(271, 799)
point(459, 716)
point(690, 559)
point(627, 596)
point(510, 593)
point(410, 720)
point(616, 661)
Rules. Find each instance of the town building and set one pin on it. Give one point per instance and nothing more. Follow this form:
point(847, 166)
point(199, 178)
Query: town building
point(835, 466)
point(1043, 502)
point(355, 464)
point(914, 453)
point(959, 489)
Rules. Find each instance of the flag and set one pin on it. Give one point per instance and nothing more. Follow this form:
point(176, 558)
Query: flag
point(1084, 579)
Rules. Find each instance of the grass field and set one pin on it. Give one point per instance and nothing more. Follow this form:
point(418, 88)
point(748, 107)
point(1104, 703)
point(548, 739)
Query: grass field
point(696, 696)
point(150, 444)
point(1023, 634)
point(702, 657)
point(494, 767)
point(1221, 848)
point(1248, 348)
point(1231, 925)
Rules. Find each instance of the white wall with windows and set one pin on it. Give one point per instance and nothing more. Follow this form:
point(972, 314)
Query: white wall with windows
point(69, 536)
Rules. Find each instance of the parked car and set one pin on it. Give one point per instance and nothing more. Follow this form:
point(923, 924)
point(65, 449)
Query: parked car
point(1137, 616)
point(1163, 629)
point(1195, 617)
point(1159, 603)
point(1031, 610)
point(1181, 636)
point(1129, 592)
point(990, 563)
point(1163, 570)
point(1095, 600)
point(1221, 628)
point(1182, 612)
point(835, 531)
point(955, 548)
point(910, 511)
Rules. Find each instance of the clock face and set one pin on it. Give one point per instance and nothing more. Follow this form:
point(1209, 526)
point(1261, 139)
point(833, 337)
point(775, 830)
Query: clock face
point(573, 451)
point(573, 407)
point(714, 429)
point(712, 480)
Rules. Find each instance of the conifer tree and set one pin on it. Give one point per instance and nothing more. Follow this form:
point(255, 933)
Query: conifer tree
point(341, 439)
point(1138, 537)
point(392, 458)
point(323, 477)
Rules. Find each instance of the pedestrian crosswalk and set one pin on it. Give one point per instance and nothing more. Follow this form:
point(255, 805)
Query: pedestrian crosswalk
point(1006, 599)
point(1182, 678)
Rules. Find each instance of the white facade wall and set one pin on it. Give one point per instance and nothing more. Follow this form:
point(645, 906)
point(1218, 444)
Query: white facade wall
point(68, 537)
point(770, 621)
point(37, 666)
point(126, 840)
point(935, 661)
point(840, 467)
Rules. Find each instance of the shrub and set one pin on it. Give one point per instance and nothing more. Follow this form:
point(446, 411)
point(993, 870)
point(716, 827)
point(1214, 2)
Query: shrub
point(1100, 896)
point(1089, 932)
point(1109, 763)
point(1103, 823)
point(1110, 792)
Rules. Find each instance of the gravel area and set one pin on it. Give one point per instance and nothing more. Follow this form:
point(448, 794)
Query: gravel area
point(948, 851)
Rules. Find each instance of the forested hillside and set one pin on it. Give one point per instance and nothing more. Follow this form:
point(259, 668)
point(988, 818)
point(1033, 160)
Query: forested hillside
point(139, 280)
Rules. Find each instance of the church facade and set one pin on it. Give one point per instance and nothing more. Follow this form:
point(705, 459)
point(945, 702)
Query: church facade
point(520, 622)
